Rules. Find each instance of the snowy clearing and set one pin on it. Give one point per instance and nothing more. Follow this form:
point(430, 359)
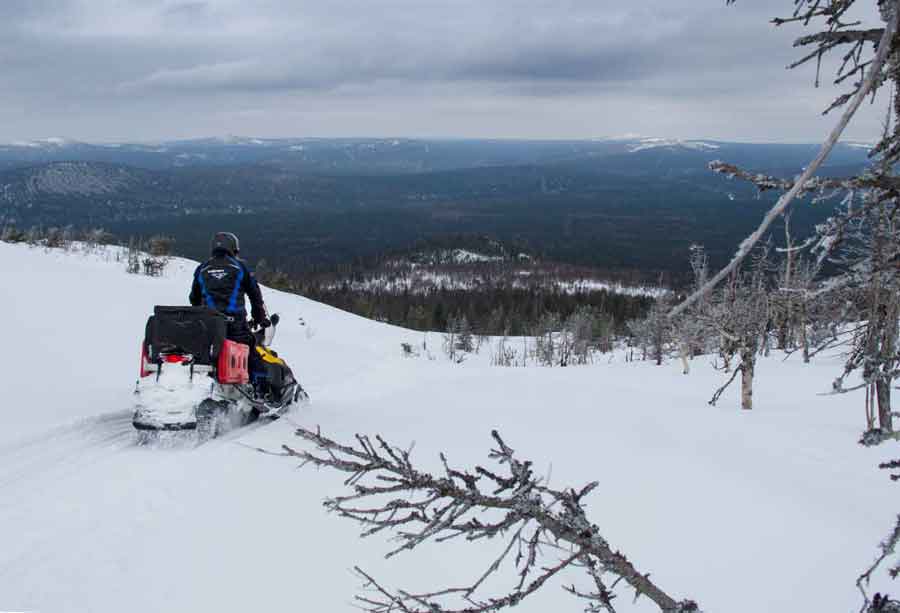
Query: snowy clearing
point(774, 510)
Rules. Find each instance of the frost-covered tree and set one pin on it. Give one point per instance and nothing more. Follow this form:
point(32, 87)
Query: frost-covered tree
point(790, 298)
point(579, 330)
point(868, 57)
point(691, 330)
point(604, 332)
point(450, 339)
point(97, 237)
point(654, 333)
point(870, 62)
point(739, 313)
point(503, 354)
point(871, 259)
point(133, 257)
point(465, 340)
point(546, 340)
point(458, 339)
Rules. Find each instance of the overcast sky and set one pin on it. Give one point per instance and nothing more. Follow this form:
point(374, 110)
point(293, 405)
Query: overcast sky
point(106, 70)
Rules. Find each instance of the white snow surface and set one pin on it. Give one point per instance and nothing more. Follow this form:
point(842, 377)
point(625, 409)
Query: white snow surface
point(772, 510)
point(671, 143)
point(422, 280)
point(52, 141)
point(464, 256)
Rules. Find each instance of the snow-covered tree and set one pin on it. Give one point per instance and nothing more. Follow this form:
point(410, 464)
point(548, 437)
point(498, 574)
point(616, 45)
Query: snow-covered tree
point(97, 237)
point(789, 301)
point(871, 259)
point(546, 339)
point(133, 257)
point(869, 60)
point(690, 331)
point(654, 333)
point(868, 71)
point(465, 340)
point(739, 313)
point(503, 354)
point(458, 339)
point(578, 334)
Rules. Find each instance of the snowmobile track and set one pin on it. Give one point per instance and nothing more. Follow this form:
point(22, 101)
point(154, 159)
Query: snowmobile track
point(62, 450)
point(37, 463)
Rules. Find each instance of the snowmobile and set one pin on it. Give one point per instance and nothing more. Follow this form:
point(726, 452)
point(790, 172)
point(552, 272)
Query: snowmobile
point(193, 379)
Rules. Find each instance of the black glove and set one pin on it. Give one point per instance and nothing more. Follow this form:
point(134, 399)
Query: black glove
point(262, 323)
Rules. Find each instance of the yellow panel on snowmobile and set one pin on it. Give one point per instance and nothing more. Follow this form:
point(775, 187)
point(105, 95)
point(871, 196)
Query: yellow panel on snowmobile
point(269, 356)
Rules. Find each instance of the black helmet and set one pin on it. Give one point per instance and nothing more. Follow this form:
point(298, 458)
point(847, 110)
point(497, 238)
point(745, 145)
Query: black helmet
point(227, 242)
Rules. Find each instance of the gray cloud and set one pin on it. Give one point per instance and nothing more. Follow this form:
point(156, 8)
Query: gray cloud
point(145, 69)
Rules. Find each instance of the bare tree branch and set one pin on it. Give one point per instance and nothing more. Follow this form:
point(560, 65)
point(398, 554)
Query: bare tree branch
point(454, 505)
point(872, 79)
point(722, 389)
point(817, 185)
point(873, 35)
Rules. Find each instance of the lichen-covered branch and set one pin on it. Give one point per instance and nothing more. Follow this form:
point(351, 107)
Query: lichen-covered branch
point(389, 493)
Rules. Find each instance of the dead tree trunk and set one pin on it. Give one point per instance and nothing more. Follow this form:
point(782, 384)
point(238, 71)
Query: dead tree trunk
point(883, 392)
point(748, 366)
point(804, 337)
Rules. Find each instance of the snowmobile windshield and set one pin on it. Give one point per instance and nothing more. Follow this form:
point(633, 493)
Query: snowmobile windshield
point(265, 336)
point(268, 336)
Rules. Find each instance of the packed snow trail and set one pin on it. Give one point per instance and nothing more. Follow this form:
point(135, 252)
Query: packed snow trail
point(773, 510)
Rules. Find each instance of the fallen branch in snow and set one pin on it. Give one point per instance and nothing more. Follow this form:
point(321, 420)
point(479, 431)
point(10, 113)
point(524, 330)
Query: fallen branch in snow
point(881, 602)
point(722, 389)
point(390, 494)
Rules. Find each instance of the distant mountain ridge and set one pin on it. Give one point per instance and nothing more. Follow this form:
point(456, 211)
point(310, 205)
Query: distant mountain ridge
point(388, 155)
point(238, 174)
point(618, 204)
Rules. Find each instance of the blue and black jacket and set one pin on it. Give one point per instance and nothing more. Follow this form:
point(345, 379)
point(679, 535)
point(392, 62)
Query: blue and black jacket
point(222, 283)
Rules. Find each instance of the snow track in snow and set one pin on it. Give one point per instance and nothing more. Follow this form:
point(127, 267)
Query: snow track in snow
point(62, 449)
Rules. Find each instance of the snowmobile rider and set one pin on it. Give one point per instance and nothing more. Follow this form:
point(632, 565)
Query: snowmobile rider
point(222, 283)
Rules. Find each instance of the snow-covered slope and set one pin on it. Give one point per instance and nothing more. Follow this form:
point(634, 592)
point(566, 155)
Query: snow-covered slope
point(775, 510)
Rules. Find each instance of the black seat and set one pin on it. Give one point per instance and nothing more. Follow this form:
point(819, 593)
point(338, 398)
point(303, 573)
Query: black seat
point(197, 331)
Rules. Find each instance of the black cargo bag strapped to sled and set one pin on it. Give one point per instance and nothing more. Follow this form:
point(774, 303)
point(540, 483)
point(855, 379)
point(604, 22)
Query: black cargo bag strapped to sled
point(197, 331)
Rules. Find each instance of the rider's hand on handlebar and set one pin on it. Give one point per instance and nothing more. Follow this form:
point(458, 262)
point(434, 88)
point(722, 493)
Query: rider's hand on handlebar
point(262, 323)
